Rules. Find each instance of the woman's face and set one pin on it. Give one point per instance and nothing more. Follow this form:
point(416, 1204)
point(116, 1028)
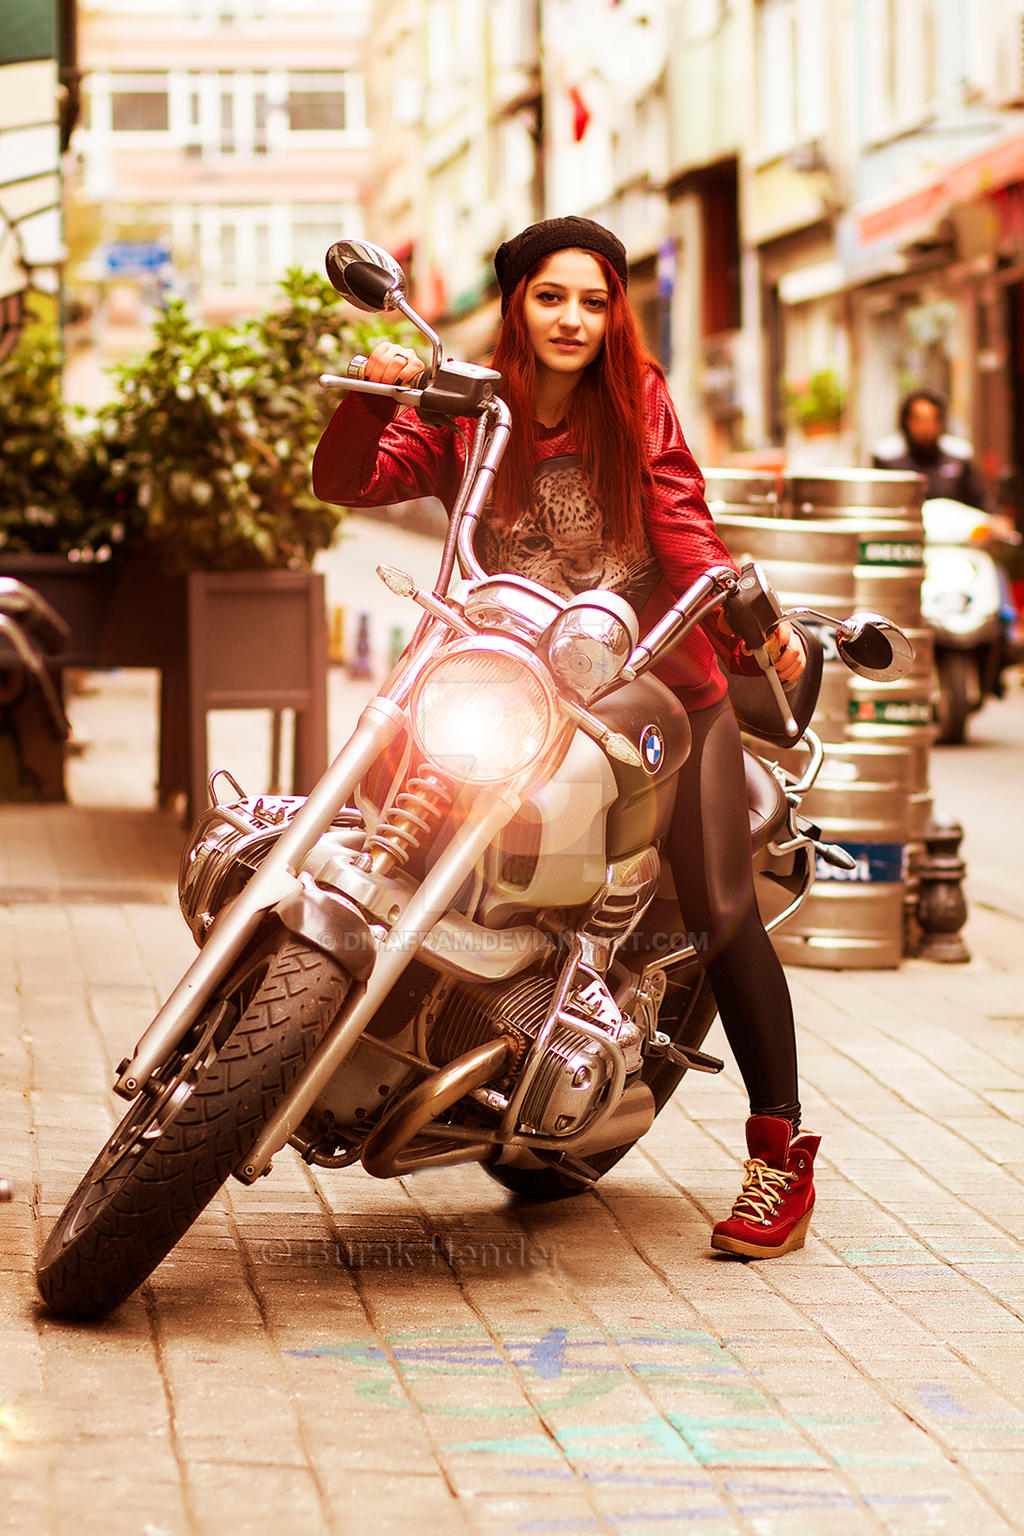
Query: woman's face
point(566, 311)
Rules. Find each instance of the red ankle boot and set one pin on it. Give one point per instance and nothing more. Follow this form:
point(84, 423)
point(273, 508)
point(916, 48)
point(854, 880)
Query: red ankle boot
point(773, 1213)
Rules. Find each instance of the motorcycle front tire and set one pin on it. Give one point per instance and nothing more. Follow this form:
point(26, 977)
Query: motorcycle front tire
point(182, 1137)
point(662, 1077)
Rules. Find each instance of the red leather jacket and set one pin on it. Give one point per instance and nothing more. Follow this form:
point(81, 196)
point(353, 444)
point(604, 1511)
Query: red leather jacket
point(369, 456)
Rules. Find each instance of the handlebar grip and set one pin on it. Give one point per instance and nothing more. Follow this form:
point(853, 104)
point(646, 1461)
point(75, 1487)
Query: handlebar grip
point(357, 370)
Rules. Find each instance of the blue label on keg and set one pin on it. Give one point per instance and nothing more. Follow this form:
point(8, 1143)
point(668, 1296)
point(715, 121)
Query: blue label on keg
point(876, 864)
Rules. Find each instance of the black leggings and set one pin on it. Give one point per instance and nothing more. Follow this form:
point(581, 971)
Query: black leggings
point(709, 849)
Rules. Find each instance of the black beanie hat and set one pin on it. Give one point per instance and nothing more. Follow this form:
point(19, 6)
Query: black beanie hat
point(514, 258)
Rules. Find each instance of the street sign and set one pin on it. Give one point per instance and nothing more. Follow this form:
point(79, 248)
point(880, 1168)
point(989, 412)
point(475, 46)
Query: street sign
point(135, 258)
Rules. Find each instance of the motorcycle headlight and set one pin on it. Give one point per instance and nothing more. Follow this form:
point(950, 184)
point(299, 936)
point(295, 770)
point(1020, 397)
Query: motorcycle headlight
point(590, 641)
point(482, 712)
point(960, 589)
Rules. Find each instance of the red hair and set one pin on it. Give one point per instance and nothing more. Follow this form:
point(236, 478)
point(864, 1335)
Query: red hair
point(605, 413)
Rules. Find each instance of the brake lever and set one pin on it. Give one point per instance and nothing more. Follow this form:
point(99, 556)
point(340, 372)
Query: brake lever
point(753, 613)
point(762, 655)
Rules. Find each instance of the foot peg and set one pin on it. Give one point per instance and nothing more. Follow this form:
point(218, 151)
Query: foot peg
point(574, 1168)
point(836, 856)
point(684, 1055)
point(832, 853)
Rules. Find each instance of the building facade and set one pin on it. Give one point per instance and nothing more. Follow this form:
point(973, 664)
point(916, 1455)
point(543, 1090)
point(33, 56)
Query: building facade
point(222, 142)
point(37, 106)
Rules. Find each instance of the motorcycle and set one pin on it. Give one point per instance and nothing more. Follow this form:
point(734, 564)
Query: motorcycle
point(462, 946)
point(966, 603)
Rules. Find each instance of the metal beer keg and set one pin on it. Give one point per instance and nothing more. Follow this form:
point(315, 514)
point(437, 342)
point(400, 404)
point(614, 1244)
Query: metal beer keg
point(810, 564)
point(856, 493)
point(752, 492)
point(855, 919)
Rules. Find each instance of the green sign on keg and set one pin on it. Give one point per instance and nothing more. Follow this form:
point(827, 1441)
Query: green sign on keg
point(891, 711)
point(891, 552)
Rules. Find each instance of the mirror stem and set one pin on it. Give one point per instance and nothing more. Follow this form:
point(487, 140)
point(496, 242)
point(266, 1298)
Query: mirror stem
point(397, 300)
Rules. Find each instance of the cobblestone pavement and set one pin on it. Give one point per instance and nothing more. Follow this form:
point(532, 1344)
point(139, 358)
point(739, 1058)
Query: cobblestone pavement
point(325, 1353)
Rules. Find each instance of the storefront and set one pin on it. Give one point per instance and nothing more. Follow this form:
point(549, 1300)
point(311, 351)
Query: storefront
point(936, 300)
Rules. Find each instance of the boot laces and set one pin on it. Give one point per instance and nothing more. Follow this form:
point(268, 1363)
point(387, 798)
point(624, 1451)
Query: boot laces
point(764, 1189)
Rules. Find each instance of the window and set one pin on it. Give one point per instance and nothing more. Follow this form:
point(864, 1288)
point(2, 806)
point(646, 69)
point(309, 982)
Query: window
point(316, 111)
point(901, 44)
point(777, 74)
point(261, 112)
point(792, 73)
point(227, 120)
point(139, 111)
point(312, 238)
point(721, 307)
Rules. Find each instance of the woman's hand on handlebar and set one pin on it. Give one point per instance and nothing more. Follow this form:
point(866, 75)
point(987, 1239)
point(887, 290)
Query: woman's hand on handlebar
point(792, 657)
point(389, 363)
point(784, 646)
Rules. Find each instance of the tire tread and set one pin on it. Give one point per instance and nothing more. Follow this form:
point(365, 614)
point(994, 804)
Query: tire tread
point(172, 1182)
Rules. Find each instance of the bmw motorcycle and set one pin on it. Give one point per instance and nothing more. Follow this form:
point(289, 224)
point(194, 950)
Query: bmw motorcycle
point(463, 945)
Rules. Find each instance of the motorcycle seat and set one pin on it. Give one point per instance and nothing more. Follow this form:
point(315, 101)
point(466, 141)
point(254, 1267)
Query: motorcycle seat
point(766, 803)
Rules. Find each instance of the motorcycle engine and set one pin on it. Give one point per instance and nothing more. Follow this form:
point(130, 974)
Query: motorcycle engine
point(577, 1068)
point(228, 843)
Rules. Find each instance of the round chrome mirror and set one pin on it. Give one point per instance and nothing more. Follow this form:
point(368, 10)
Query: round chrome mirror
point(365, 273)
point(874, 647)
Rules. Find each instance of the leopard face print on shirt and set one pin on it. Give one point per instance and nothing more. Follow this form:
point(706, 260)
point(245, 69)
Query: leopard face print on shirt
point(560, 543)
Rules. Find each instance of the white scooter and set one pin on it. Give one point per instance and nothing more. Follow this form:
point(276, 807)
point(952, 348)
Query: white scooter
point(965, 600)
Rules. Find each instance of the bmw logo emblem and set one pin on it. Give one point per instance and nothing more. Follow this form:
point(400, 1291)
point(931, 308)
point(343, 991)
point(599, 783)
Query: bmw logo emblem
point(652, 748)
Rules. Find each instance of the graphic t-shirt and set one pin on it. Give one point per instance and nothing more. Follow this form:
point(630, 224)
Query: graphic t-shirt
point(560, 541)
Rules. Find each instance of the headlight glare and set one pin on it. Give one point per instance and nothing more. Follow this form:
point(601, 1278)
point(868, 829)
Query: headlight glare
point(482, 713)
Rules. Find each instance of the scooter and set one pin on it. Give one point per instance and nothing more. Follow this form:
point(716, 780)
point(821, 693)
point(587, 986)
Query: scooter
point(463, 945)
point(966, 602)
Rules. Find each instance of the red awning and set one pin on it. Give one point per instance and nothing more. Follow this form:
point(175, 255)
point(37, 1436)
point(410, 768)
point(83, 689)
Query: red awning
point(998, 166)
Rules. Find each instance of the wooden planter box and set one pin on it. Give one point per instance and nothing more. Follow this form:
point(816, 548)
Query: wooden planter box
point(220, 640)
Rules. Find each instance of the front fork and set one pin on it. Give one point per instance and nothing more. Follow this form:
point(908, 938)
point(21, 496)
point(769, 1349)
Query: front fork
point(491, 811)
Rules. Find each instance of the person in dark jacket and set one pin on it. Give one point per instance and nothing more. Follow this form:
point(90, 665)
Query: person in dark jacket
point(924, 448)
point(598, 488)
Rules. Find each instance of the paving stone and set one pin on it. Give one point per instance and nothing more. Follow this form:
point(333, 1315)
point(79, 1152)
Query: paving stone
point(255, 1500)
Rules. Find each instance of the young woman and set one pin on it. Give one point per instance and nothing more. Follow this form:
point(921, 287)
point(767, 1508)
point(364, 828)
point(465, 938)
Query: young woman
point(598, 489)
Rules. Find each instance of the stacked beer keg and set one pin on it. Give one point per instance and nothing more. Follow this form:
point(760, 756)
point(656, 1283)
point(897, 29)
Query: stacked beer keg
point(842, 541)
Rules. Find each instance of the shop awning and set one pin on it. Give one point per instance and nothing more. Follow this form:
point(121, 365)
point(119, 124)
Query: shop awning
point(900, 219)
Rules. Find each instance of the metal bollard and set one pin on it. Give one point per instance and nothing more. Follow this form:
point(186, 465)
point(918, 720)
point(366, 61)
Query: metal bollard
point(336, 639)
point(942, 906)
point(361, 666)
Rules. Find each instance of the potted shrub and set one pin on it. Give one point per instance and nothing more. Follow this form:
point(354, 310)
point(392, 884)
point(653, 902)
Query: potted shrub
point(214, 428)
point(816, 404)
point(191, 490)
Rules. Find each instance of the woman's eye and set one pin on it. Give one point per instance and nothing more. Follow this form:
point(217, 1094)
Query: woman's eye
point(598, 305)
point(548, 298)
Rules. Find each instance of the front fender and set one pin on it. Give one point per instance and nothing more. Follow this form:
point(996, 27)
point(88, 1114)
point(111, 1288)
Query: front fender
point(330, 924)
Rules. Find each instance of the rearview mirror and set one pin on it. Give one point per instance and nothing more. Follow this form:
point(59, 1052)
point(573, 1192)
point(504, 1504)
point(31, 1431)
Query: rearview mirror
point(875, 648)
point(367, 275)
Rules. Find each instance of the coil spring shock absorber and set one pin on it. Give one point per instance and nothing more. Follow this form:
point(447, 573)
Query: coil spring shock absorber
point(412, 817)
